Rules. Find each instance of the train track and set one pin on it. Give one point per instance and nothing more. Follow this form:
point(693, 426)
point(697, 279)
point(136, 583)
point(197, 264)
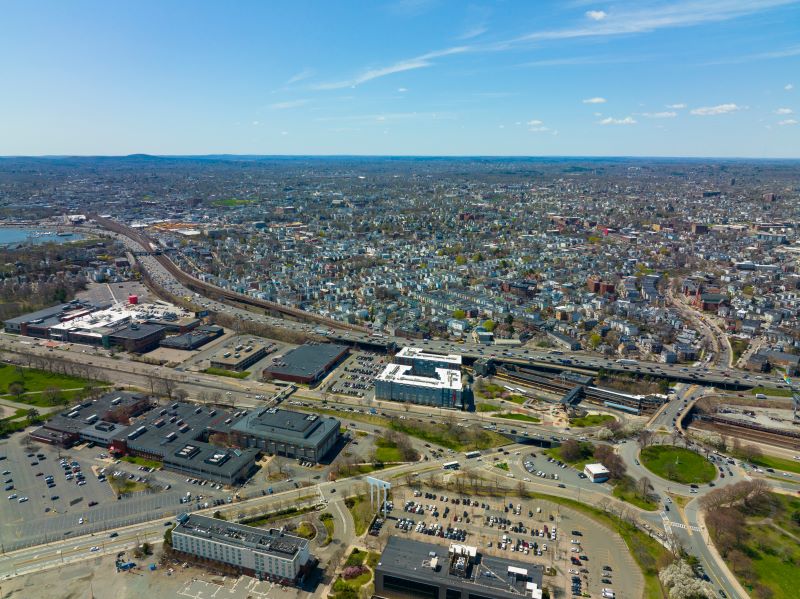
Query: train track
point(209, 290)
point(759, 436)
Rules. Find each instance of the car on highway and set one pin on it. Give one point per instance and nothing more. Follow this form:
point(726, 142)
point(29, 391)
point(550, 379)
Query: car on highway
point(22, 499)
point(12, 496)
point(113, 535)
point(94, 548)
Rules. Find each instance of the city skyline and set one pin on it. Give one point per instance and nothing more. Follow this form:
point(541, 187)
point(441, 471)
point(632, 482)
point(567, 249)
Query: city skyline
point(413, 77)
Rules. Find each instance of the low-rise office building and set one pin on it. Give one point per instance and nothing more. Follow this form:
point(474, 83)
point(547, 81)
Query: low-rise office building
point(240, 357)
point(265, 554)
point(287, 433)
point(413, 569)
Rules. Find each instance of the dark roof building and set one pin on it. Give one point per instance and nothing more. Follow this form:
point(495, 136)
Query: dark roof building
point(307, 363)
point(137, 338)
point(287, 433)
point(195, 338)
point(413, 569)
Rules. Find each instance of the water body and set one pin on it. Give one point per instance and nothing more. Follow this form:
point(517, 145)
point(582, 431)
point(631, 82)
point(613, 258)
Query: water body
point(34, 236)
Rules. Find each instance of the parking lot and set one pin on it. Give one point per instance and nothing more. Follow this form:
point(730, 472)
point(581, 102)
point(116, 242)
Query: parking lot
point(586, 556)
point(356, 375)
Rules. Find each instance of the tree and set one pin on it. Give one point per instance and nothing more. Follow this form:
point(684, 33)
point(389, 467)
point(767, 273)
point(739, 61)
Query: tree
point(52, 395)
point(181, 394)
point(16, 389)
point(489, 325)
point(571, 450)
point(459, 314)
point(33, 415)
point(645, 437)
point(643, 488)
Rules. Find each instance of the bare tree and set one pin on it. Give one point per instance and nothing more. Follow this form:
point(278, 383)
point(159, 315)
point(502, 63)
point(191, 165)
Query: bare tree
point(643, 488)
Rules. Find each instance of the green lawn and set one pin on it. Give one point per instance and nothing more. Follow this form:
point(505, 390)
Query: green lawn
point(305, 530)
point(625, 490)
point(591, 420)
point(229, 373)
point(771, 391)
point(502, 466)
point(677, 464)
point(455, 438)
point(231, 202)
point(124, 485)
point(142, 462)
point(327, 521)
point(487, 407)
point(517, 399)
point(768, 461)
point(35, 381)
point(362, 513)
point(520, 417)
point(387, 451)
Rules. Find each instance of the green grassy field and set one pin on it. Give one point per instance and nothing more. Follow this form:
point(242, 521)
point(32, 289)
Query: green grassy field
point(327, 521)
point(769, 461)
point(519, 417)
point(142, 462)
point(487, 407)
point(591, 420)
point(625, 490)
point(305, 530)
point(517, 399)
point(35, 381)
point(362, 513)
point(387, 451)
point(457, 439)
point(229, 373)
point(677, 464)
point(773, 392)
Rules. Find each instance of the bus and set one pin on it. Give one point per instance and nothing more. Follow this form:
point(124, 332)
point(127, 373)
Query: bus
point(627, 362)
point(472, 454)
point(451, 466)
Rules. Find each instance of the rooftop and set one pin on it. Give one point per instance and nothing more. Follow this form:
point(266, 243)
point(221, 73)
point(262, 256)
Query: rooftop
point(273, 541)
point(403, 374)
point(418, 353)
point(286, 425)
point(309, 360)
point(461, 566)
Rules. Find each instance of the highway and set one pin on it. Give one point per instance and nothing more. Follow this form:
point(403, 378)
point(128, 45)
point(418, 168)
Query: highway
point(702, 374)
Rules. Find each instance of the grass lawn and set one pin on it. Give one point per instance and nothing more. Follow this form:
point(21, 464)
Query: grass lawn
point(771, 391)
point(231, 202)
point(362, 513)
point(768, 461)
point(587, 455)
point(229, 373)
point(387, 451)
point(677, 464)
point(455, 438)
point(142, 462)
point(625, 490)
point(124, 485)
point(520, 417)
point(502, 466)
point(591, 420)
point(490, 391)
point(356, 558)
point(517, 399)
point(487, 407)
point(327, 521)
point(35, 381)
point(289, 512)
point(305, 530)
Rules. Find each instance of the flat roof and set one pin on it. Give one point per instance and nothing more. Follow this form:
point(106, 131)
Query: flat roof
point(418, 353)
point(402, 374)
point(287, 426)
point(248, 349)
point(271, 542)
point(485, 575)
point(308, 360)
point(77, 418)
point(53, 311)
point(596, 469)
point(141, 330)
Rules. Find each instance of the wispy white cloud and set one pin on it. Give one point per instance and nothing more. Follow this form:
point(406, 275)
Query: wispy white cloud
point(297, 77)
point(473, 32)
point(596, 15)
point(289, 104)
point(666, 114)
point(402, 90)
point(584, 60)
point(419, 62)
point(771, 55)
point(382, 117)
point(676, 106)
point(784, 111)
point(788, 122)
point(537, 126)
point(595, 100)
point(612, 121)
point(788, 87)
point(715, 110)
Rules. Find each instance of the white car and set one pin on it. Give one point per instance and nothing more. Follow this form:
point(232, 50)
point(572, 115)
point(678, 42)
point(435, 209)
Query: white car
point(12, 496)
point(80, 520)
point(22, 499)
point(95, 548)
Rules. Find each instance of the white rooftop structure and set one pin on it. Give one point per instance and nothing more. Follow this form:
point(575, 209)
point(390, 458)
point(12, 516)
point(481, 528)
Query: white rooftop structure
point(418, 353)
point(402, 374)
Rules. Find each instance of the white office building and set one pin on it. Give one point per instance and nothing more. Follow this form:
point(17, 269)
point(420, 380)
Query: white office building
point(266, 554)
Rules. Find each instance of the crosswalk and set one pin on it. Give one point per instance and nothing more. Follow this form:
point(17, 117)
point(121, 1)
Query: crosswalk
point(668, 522)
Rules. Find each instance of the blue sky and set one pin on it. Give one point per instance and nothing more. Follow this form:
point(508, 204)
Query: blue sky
point(418, 77)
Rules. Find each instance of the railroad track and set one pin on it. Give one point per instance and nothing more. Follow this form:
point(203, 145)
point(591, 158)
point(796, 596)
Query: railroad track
point(741, 432)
